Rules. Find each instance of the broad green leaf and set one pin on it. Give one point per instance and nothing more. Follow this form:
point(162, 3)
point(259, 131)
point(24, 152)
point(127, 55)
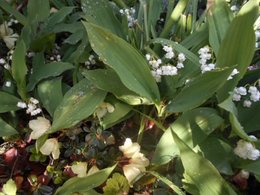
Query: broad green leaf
point(154, 10)
point(248, 117)
point(200, 173)
point(197, 39)
point(58, 17)
point(84, 184)
point(38, 10)
point(219, 18)
point(19, 68)
point(219, 153)
point(237, 128)
point(192, 127)
point(120, 112)
point(238, 46)
point(77, 104)
point(199, 90)
point(101, 13)
point(9, 188)
point(107, 79)
point(47, 70)
point(174, 187)
point(128, 63)
point(72, 28)
point(6, 129)
point(8, 102)
point(50, 93)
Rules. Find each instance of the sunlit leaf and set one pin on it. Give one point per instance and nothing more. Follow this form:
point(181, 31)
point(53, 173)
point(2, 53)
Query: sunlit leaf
point(77, 104)
point(133, 72)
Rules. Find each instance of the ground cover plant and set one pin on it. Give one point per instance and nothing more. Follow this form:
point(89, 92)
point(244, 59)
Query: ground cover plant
point(129, 97)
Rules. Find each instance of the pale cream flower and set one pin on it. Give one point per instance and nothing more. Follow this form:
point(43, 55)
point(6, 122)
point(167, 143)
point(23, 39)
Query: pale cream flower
point(39, 127)
point(7, 35)
point(129, 148)
point(80, 169)
point(103, 109)
point(137, 161)
point(51, 146)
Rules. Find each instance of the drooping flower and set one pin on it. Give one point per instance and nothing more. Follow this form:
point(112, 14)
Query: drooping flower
point(103, 109)
point(7, 35)
point(51, 146)
point(39, 127)
point(80, 169)
point(136, 160)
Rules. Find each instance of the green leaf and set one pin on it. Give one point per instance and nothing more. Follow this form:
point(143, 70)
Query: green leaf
point(50, 93)
point(84, 184)
point(78, 104)
point(238, 46)
point(19, 68)
point(248, 117)
point(57, 17)
point(120, 112)
point(200, 174)
point(107, 79)
point(133, 72)
point(118, 184)
point(8, 8)
point(174, 187)
point(47, 70)
point(237, 128)
point(219, 153)
point(219, 18)
point(38, 10)
point(199, 90)
point(8, 102)
point(6, 129)
point(9, 188)
point(154, 10)
point(192, 127)
point(253, 167)
point(101, 13)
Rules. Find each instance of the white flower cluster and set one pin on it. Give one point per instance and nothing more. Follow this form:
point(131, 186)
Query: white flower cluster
point(159, 70)
point(32, 106)
point(12, 21)
point(136, 160)
point(205, 56)
point(234, 8)
point(242, 91)
point(130, 14)
point(246, 150)
point(56, 57)
point(91, 60)
point(5, 64)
